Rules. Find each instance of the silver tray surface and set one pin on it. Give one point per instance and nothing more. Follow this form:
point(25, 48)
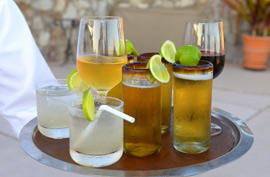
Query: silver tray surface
point(243, 140)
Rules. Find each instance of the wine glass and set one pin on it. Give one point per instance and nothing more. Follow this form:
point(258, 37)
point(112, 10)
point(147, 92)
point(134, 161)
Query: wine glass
point(208, 36)
point(101, 52)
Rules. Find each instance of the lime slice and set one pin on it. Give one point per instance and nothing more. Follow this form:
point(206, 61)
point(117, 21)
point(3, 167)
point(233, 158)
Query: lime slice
point(158, 69)
point(167, 51)
point(130, 49)
point(74, 80)
point(88, 105)
point(188, 55)
point(150, 78)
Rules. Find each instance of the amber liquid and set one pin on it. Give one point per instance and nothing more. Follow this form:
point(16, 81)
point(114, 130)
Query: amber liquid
point(192, 113)
point(166, 100)
point(101, 72)
point(166, 92)
point(143, 137)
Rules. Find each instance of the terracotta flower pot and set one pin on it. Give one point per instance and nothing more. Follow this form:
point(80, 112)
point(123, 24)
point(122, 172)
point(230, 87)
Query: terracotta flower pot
point(256, 51)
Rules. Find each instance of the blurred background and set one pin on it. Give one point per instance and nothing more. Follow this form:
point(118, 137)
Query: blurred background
point(147, 23)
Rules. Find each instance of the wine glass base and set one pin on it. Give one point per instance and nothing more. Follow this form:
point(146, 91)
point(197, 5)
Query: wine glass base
point(215, 129)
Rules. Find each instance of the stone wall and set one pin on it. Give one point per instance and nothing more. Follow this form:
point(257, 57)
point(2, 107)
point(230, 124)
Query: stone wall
point(54, 23)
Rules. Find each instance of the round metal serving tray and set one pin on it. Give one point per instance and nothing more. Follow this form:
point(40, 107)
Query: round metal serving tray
point(235, 141)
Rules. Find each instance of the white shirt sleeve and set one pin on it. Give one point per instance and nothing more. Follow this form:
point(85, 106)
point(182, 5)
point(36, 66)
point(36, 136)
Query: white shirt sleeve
point(21, 67)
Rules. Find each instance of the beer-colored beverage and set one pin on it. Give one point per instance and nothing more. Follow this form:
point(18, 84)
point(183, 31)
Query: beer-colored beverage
point(192, 86)
point(166, 100)
point(166, 92)
point(143, 102)
point(101, 72)
point(116, 92)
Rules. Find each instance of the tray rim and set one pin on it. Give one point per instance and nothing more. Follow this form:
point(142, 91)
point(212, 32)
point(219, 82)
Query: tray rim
point(244, 141)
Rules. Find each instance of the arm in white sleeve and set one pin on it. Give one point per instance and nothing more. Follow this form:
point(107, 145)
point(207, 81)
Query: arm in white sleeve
point(21, 67)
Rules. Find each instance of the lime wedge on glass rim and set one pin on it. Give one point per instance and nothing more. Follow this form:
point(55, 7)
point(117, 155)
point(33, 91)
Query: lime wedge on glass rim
point(130, 49)
point(88, 105)
point(167, 51)
point(188, 55)
point(158, 69)
point(74, 80)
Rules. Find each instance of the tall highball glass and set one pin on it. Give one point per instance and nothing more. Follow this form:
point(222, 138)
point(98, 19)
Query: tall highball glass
point(192, 90)
point(142, 98)
point(166, 93)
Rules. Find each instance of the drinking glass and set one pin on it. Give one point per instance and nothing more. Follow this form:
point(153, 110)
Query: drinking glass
point(142, 97)
point(192, 87)
point(166, 93)
point(101, 52)
point(96, 143)
point(208, 36)
point(53, 97)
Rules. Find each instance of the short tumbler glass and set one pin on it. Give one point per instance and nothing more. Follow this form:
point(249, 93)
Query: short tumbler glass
point(192, 87)
point(96, 143)
point(53, 98)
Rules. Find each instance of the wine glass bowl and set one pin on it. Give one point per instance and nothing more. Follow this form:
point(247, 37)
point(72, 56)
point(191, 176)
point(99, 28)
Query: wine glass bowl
point(101, 52)
point(208, 36)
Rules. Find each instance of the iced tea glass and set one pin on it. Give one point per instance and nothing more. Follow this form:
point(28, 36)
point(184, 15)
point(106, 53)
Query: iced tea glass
point(192, 87)
point(142, 97)
point(96, 143)
point(166, 93)
point(53, 97)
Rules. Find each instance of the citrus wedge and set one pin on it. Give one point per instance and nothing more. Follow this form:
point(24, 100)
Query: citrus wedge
point(167, 51)
point(130, 49)
point(158, 69)
point(188, 55)
point(74, 80)
point(88, 105)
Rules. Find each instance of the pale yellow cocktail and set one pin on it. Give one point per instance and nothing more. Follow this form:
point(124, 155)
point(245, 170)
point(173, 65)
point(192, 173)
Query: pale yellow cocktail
point(101, 72)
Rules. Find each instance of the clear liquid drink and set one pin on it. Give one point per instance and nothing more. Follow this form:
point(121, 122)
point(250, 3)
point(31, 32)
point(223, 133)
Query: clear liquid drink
point(52, 99)
point(96, 143)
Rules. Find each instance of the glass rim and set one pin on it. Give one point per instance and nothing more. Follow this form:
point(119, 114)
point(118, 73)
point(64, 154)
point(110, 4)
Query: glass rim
point(110, 98)
point(39, 85)
point(99, 18)
point(148, 53)
point(204, 20)
point(127, 68)
point(140, 57)
point(97, 97)
point(207, 65)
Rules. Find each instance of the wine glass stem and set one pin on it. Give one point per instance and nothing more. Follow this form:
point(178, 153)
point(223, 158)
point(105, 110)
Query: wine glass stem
point(102, 92)
point(215, 129)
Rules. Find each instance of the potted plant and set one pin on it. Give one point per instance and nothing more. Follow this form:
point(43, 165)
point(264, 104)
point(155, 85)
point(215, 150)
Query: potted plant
point(256, 45)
